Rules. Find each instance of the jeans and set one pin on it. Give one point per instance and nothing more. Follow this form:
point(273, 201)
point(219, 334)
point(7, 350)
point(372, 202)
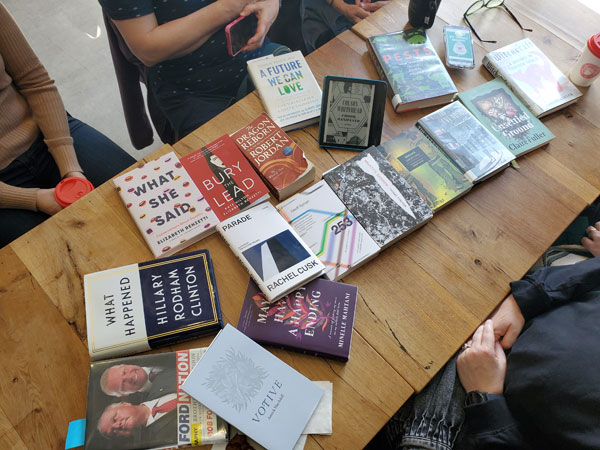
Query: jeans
point(98, 156)
point(321, 23)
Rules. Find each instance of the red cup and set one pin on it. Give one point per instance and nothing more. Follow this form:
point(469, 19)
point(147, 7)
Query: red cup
point(71, 189)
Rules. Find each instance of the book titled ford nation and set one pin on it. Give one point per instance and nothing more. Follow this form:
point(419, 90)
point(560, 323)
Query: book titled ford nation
point(134, 308)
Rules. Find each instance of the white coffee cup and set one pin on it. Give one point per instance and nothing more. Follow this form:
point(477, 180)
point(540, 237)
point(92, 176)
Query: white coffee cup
point(587, 68)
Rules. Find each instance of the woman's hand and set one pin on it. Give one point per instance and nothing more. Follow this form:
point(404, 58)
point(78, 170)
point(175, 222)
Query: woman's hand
point(46, 203)
point(75, 173)
point(266, 11)
point(508, 322)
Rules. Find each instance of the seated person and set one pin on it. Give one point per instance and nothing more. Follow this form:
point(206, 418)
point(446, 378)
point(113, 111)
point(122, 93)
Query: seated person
point(183, 45)
point(39, 143)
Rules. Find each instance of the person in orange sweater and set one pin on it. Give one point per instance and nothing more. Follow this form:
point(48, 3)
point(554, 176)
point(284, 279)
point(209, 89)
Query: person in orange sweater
point(39, 143)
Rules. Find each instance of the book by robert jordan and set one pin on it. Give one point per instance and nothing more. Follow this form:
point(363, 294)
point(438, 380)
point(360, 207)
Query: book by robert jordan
point(316, 318)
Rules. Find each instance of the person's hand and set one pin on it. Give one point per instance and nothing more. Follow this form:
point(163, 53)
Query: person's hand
point(508, 322)
point(46, 203)
point(482, 365)
point(372, 6)
point(354, 13)
point(592, 241)
point(266, 11)
point(74, 173)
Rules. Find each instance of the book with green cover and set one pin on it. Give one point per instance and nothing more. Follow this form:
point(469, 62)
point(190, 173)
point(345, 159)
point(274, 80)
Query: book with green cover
point(426, 167)
point(506, 117)
point(414, 72)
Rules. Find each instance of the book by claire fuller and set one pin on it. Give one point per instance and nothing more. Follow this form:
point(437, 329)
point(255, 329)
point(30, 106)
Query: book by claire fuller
point(281, 163)
point(139, 307)
point(330, 230)
point(426, 167)
point(316, 318)
point(224, 176)
point(272, 252)
point(253, 390)
point(288, 89)
point(532, 77)
point(382, 201)
point(470, 145)
point(166, 205)
point(506, 117)
point(137, 403)
point(415, 74)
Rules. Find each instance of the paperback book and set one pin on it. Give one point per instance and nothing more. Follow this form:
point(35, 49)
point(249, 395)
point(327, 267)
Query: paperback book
point(272, 252)
point(421, 162)
point(224, 176)
point(316, 318)
point(464, 139)
point(137, 403)
point(532, 77)
point(382, 201)
point(288, 89)
point(165, 204)
point(329, 229)
point(506, 117)
point(135, 308)
point(275, 156)
point(415, 74)
point(253, 390)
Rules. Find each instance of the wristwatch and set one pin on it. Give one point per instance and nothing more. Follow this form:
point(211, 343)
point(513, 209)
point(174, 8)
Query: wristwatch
point(475, 397)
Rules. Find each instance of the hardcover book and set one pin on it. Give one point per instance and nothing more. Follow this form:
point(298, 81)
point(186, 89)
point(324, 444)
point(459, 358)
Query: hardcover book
point(415, 74)
point(272, 252)
point(288, 89)
point(421, 162)
point(253, 390)
point(137, 403)
point(464, 139)
point(316, 318)
point(224, 176)
point(330, 230)
point(275, 156)
point(166, 205)
point(382, 201)
point(503, 114)
point(139, 307)
point(532, 77)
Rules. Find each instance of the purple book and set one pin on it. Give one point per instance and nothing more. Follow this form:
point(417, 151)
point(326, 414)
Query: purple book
point(316, 318)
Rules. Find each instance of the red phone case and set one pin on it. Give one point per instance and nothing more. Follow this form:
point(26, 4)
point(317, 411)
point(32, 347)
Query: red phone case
point(228, 35)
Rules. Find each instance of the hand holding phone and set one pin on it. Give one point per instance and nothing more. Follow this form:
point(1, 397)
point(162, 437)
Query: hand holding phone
point(239, 32)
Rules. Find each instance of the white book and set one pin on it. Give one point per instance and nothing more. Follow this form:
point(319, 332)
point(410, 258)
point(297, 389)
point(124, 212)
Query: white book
point(288, 89)
point(330, 230)
point(272, 252)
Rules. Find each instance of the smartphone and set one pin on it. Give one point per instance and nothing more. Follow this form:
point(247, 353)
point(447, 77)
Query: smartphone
point(459, 47)
point(239, 32)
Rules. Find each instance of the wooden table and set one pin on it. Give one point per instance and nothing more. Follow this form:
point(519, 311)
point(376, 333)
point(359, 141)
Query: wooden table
point(418, 300)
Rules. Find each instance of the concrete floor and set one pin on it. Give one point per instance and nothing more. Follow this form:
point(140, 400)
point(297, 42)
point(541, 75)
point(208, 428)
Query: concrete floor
point(70, 39)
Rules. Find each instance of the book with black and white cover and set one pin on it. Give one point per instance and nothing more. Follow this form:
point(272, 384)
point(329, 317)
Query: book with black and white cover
point(272, 252)
point(466, 141)
point(382, 201)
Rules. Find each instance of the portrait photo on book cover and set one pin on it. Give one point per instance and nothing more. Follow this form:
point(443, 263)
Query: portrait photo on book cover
point(276, 254)
point(132, 403)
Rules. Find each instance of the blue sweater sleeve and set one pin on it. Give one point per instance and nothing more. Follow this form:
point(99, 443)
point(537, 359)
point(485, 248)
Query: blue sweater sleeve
point(551, 287)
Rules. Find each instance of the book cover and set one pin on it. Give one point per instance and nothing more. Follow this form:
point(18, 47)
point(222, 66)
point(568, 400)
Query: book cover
point(166, 205)
point(253, 390)
point(426, 167)
point(413, 70)
point(276, 157)
point(382, 201)
point(224, 176)
point(137, 403)
point(316, 318)
point(532, 77)
point(288, 89)
point(135, 308)
point(470, 145)
point(506, 117)
point(272, 252)
point(329, 229)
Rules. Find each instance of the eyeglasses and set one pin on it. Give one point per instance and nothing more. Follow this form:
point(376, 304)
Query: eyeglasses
point(479, 4)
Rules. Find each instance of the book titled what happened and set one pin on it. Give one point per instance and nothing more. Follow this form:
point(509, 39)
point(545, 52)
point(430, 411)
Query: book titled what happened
point(135, 308)
point(316, 318)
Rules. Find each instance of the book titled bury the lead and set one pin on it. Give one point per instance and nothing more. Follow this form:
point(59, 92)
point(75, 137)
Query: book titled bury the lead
point(138, 307)
point(253, 390)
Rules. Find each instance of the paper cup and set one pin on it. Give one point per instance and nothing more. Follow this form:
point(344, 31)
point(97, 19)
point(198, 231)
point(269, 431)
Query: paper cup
point(71, 189)
point(587, 68)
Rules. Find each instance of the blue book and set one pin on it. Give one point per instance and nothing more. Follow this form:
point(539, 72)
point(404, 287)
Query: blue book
point(253, 390)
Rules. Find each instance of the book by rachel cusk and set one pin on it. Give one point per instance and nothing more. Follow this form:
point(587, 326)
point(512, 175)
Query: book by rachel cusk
point(253, 390)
